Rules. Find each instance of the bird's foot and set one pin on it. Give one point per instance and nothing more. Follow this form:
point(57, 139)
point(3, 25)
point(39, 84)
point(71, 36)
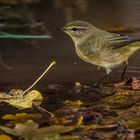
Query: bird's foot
point(124, 78)
point(94, 88)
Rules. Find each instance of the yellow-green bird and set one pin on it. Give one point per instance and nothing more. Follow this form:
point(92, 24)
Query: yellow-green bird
point(99, 47)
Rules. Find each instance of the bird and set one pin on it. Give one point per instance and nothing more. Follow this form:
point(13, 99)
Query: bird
point(99, 47)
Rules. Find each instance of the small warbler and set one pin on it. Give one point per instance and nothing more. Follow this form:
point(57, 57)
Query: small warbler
point(99, 47)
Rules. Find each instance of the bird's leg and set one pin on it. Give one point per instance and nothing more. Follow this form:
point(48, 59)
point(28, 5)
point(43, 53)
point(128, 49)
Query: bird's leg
point(124, 70)
point(99, 81)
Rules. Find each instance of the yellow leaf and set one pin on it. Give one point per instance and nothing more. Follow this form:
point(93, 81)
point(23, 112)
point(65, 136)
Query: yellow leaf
point(77, 84)
point(80, 120)
point(21, 117)
point(73, 103)
point(23, 102)
point(5, 137)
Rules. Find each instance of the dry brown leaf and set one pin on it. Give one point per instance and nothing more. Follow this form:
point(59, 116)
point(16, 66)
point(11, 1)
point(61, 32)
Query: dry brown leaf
point(135, 83)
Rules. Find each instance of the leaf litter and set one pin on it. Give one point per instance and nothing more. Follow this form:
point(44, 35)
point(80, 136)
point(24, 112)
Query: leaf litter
point(21, 117)
point(23, 102)
point(76, 112)
point(31, 131)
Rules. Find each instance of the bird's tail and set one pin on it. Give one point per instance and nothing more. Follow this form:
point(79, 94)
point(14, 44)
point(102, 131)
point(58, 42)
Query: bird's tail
point(129, 49)
point(133, 46)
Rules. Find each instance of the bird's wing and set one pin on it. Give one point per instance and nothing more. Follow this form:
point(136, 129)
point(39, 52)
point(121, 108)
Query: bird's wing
point(117, 40)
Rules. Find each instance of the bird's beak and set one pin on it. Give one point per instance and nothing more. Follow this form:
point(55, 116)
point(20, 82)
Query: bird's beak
point(63, 29)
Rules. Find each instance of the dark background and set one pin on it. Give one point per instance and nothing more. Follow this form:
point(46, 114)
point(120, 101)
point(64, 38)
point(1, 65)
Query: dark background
point(27, 59)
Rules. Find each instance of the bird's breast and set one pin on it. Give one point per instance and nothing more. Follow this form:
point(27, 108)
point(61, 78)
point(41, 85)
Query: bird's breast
point(86, 55)
point(98, 58)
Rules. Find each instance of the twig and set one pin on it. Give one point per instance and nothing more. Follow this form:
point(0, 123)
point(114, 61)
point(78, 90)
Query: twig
point(53, 63)
point(43, 110)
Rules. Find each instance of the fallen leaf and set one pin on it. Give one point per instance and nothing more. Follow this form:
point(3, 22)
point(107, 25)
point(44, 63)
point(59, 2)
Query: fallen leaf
point(120, 84)
point(78, 87)
point(135, 83)
point(5, 137)
point(80, 120)
point(77, 84)
point(21, 117)
point(73, 105)
point(31, 131)
point(23, 102)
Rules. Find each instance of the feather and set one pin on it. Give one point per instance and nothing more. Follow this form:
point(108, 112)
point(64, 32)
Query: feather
point(118, 40)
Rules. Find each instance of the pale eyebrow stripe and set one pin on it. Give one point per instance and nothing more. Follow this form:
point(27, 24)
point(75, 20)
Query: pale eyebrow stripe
point(79, 27)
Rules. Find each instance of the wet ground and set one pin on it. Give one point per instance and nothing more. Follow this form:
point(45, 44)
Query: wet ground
point(110, 112)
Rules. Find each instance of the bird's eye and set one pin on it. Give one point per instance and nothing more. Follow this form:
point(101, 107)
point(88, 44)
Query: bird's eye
point(74, 29)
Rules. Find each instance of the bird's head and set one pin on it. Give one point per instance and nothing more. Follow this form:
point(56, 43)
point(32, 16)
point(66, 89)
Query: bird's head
point(77, 30)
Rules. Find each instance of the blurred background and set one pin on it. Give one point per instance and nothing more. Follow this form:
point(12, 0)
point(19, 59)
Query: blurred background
point(23, 60)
